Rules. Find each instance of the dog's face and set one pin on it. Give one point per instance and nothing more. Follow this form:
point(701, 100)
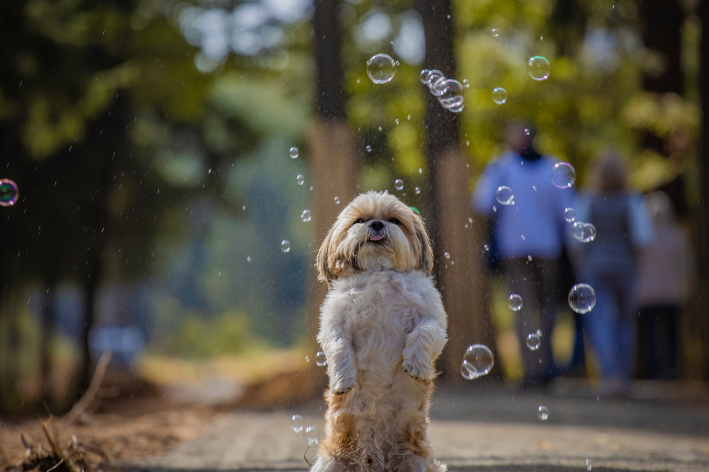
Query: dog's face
point(375, 231)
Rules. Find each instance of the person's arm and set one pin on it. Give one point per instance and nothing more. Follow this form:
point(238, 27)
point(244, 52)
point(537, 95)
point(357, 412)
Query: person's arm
point(641, 229)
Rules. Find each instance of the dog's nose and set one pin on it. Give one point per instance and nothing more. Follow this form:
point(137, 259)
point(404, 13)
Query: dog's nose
point(376, 225)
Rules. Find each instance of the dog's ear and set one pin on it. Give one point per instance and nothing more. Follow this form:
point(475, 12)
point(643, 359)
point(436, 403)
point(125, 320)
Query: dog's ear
point(425, 259)
point(321, 262)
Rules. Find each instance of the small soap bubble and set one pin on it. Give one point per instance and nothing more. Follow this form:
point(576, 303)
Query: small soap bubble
point(9, 193)
point(307, 358)
point(369, 148)
point(446, 255)
point(311, 455)
point(563, 175)
point(381, 68)
point(417, 190)
point(248, 259)
point(583, 232)
point(320, 360)
point(425, 76)
point(420, 171)
point(504, 195)
point(399, 184)
point(306, 216)
point(285, 245)
point(529, 258)
point(569, 214)
point(526, 132)
point(533, 341)
point(495, 33)
point(486, 247)
point(312, 435)
point(300, 178)
point(582, 298)
point(499, 95)
point(337, 200)
point(588, 462)
point(296, 423)
point(543, 413)
point(293, 153)
point(514, 301)
point(466, 83)
point(478, 361)
point(539, 333)
point(538, 68)
point(457, 108)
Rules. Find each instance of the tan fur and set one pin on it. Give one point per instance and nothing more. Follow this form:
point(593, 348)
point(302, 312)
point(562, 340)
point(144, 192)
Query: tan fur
point(382, 326)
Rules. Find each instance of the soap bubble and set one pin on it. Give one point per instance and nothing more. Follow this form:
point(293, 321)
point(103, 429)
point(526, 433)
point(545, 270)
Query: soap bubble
point(543, 413)
point(533, 341)
point(437, 87)
point(399, 184)
point(417, 190)
point(588, 462)
point(293, 153)
point(300, 178)
point(495, 33)
point(451, 93)
point(526, 131)
point(320, 360)
point(369, 148)
point(499, 95)
point(466, 83)
point(425, 76)
point(457, 108)
point(569, 214)
point(306, 216)
point(584, 232)
point(504, 195)
point(285, 245)
point(311, 455)
point(582, 298)
point(9, 193)
point(538, 68)
point(433, 76)
point(337, 200)
point(514, 301)
point(478, 361)
point(446, 255)
point(381, 68)
point(307, 358)
point(312, 435)
point(296, 423)
point(563, 175)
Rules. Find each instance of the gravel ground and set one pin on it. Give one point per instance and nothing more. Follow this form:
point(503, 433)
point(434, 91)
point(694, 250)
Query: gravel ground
point(483, 427)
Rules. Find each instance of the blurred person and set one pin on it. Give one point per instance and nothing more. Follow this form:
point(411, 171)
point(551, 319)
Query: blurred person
point(527, 236)
point(609, 265)
point(665, 268)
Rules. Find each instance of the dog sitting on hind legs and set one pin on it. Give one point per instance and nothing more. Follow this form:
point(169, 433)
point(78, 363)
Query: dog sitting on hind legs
point(382, 326)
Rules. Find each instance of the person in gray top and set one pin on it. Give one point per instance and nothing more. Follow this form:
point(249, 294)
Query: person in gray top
point(609, 265)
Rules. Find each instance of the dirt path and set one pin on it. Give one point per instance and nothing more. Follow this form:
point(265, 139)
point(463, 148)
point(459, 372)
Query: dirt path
point(487, 428)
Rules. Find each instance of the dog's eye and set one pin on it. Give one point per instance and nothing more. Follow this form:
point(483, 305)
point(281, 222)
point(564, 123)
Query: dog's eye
point(394, 220)
point(358, 220)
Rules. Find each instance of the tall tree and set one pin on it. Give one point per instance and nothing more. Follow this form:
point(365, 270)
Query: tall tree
point(461, 278)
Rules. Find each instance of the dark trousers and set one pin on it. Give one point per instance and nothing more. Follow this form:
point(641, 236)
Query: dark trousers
point(535, 281)
point(657, 339)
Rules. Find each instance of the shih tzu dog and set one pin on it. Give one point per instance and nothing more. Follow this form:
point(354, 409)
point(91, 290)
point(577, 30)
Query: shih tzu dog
point(382, 326)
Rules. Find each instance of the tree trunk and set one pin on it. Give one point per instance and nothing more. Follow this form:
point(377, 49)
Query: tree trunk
point(333, 166)
point(703, 211)
point(461, 278)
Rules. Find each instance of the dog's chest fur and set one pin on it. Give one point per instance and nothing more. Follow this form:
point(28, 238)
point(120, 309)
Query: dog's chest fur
point(379, 309)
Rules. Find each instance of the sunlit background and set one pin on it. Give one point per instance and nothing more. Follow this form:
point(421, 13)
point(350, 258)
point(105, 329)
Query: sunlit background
point(150, 143)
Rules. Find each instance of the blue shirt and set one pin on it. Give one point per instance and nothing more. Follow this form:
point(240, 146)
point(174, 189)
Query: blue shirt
point(534, 225)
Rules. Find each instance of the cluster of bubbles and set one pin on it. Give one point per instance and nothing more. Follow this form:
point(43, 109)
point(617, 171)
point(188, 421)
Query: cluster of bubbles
point(582, 298)
point(381, 68)
point(9, 193)
point(505, 196)
point(448, 91)
point(311, 434)
point(477, 361)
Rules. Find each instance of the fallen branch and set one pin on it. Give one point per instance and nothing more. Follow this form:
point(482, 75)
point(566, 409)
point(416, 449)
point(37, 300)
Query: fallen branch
point(81, 406)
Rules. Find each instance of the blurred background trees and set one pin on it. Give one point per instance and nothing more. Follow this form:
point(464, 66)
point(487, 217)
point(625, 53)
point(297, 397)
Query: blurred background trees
point(150, 143)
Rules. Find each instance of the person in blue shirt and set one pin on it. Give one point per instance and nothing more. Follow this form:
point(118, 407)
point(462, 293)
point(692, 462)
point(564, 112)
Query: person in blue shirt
point(529, 232)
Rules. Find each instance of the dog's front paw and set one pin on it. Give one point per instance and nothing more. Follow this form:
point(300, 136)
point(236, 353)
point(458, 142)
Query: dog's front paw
point(343, 382)
point(343, 390)
point(417, 370)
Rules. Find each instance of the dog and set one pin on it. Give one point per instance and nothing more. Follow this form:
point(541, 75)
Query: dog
point(382, 326)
